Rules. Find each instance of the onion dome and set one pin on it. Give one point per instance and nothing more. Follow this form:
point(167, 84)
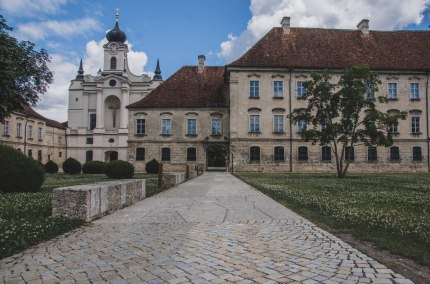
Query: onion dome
point(116, 34)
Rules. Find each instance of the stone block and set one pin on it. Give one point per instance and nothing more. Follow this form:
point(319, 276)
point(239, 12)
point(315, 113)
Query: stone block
point(92, 201)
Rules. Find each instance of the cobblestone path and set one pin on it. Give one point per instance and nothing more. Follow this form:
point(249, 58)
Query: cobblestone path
point(212, 229)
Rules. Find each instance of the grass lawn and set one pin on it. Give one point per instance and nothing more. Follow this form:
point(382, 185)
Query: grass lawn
point(25, 218)
point(391, 210)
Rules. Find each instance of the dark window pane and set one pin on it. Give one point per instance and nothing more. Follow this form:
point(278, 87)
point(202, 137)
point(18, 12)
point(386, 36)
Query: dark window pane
point(394, 153)
point(254, 154)
point(165, 154)
point(191, 154)
point(372, 154)
point(326, 153)
point(140, 154)
point(303, 153)
point(90, 141)
point(113, 63)
point(417, 154)
point(349, 153)
point(89, 156)
point(279, 153)
point(93, 120)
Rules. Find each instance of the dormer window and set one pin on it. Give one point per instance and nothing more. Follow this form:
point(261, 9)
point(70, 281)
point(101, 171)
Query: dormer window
point(113, 63)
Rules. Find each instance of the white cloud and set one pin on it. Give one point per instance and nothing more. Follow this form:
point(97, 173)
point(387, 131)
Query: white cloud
point(383, 15)
point(42, 30)
point(32, 7)
point(53, 104)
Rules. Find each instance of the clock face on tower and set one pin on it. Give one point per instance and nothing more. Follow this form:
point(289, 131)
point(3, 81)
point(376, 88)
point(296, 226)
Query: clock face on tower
point(113, 47)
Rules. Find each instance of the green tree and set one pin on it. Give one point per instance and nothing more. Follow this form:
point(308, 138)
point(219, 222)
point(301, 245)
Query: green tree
point(24, 73)
point(345, 114)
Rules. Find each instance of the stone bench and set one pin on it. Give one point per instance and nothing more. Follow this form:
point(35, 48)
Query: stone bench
point(91, 201)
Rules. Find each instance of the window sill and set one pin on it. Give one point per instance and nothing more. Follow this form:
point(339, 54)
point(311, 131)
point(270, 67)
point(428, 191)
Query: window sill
point(254, 98)
point(301, 98)
point(191, 135)
point(303, 161)
point(165, 135)
point(139, 135)
point(31, 139)
point(372, 161)
point(6, 135)
point(40, 140)
point(393, 99)
point(278, 98)
point(326, 161)
point(415, 99)
point(279, 132)
point(140, 160)
point(166, 162)
point(416, 133)
point(394, 133)
point(395, 161)
point(19, 137)
point(279, 161)
point(254, 132)
point(216, 135)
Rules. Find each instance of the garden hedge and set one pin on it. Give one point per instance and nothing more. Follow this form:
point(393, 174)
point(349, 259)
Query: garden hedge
point(94, 167)
point(72, 166)
point(152, 167)
point(51, 167)
point(119, 170)
point(19, 173)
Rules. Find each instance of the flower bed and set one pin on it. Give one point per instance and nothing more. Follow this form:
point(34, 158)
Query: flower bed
point(391, 209)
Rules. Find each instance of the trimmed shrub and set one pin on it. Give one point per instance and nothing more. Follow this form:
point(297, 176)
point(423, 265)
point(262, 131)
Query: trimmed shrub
point(19, 173)
point(72, 166)
point(51, 167)
point(94, 167)
point(119, 170)
point(152, 167)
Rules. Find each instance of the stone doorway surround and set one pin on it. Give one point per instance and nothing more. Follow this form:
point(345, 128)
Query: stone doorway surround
point(216, 156)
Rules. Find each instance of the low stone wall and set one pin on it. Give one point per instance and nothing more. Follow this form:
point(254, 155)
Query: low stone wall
point(92, 201)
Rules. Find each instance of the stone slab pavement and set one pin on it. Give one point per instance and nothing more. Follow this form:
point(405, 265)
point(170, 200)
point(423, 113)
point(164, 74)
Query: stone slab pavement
point(212, 229)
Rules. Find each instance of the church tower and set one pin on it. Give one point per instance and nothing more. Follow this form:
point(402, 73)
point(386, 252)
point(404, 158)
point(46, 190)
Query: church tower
point(98, 117)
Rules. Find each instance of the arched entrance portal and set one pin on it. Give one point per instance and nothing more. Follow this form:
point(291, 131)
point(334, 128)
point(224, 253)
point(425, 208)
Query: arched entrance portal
point(111, 156)
point(216, 158)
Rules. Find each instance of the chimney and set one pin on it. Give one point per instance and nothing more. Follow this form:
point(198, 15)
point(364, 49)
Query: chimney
point(285, 23)
point(363, 26)
point(201, 65)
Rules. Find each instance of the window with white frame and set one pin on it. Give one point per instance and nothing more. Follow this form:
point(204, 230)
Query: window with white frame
point(191, 126)
point(18, 130)
point(30, 132)
point(278, 89)
point(392, 91)
point(254, 123)
point(140, 126)
point(216, 126)
point(302, 126)
point(5, 128)
point(415, 124)
point(415, 91)
point(166, 126)
point(393, 128)
point(370, 93)
point(39, 133)
point(278, 123)
point(301, 90)
point(254, 89)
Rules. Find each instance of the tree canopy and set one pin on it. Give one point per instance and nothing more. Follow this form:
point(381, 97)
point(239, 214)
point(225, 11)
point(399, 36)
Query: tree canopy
point(342, 114)
point(24, 73)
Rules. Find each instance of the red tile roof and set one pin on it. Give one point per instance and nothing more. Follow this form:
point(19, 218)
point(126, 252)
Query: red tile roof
point(188, 88)
point(334, 48)
point(49, 122)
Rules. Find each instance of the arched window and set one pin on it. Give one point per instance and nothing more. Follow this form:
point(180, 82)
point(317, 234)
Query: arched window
point(303, 153)
point(349, 153)
point(279, 153)
point(140, 154)
point(326, 153)
point(394, 153)
point(113, 63)
point(254, 154)
point(417, 154)
point(165, 154)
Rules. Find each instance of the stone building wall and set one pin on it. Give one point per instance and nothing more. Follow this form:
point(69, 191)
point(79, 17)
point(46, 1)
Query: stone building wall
point(266, 106)
point(178, 141)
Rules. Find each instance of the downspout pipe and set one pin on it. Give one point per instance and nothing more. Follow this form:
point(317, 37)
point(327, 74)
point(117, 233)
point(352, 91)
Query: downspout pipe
point(427, 122)
point(290, 122)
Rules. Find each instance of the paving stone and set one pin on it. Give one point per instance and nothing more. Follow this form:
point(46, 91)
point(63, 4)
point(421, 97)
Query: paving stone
point(213, 228)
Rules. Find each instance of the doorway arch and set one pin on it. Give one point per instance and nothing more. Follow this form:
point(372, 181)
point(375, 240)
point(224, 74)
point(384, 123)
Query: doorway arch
point(111, 156)
point(216, 158)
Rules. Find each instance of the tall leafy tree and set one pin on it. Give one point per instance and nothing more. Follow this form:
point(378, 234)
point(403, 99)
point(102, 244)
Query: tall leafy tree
point(24, 73)
point(345, 114)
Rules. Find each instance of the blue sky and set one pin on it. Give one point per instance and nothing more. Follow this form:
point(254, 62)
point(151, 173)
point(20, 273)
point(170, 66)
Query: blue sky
point(178, 31)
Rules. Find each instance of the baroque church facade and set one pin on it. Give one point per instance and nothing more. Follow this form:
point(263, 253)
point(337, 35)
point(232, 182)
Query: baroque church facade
point(235, 117)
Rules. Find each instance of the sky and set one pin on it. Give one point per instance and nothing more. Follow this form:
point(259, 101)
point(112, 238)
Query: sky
point(176, 31)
